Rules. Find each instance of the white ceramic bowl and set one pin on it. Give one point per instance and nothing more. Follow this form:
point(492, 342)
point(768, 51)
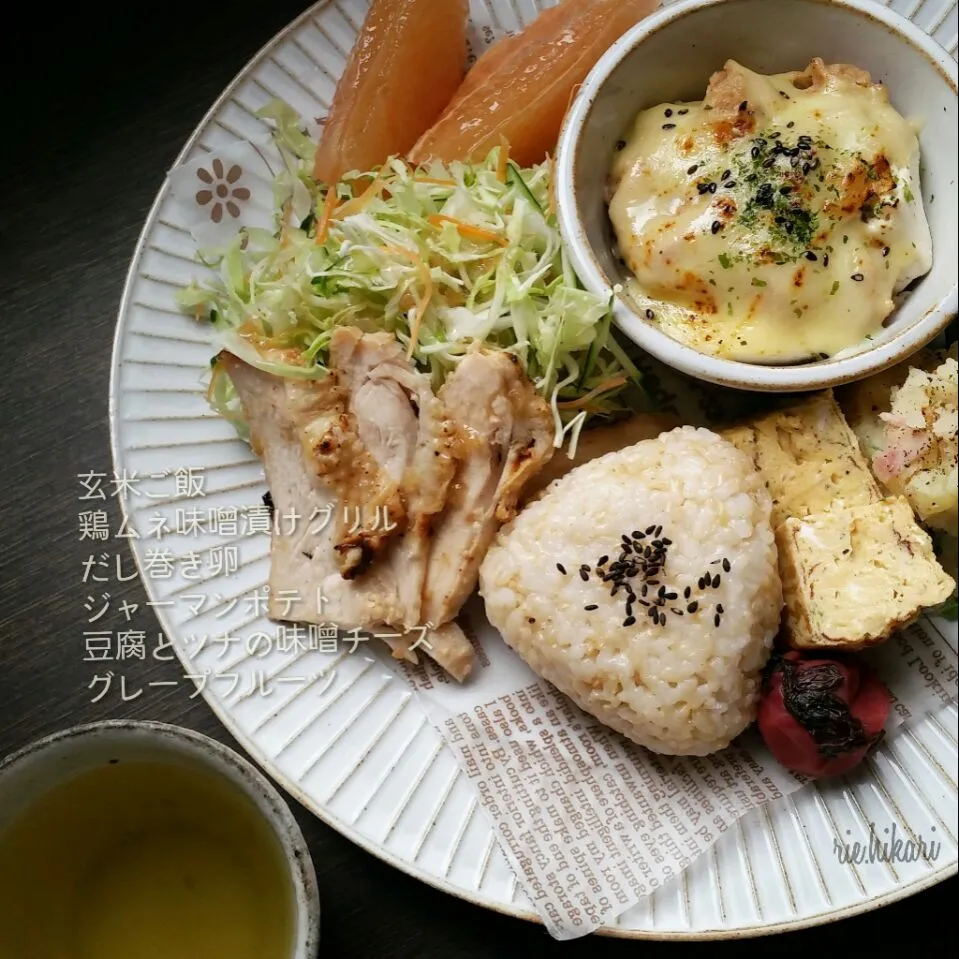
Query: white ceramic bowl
point(30, 773)
point(671, 56)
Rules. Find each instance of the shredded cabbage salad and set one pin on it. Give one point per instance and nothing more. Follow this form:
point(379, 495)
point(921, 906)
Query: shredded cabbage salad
point(443, 256)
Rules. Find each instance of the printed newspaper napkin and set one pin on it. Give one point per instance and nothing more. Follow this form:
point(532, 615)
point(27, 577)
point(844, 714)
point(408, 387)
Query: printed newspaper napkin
point(591, 823)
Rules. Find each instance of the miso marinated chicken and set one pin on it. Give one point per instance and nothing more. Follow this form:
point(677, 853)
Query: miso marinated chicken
point(505, 435)
point(447, 645)
point(387, 454)
point(285, 416)
point(414, 486)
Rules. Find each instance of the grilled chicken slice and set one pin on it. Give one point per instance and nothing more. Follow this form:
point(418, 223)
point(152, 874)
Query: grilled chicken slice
point(362, 447)
point(447, 645)
point(306, 584)
point(305, 581)
point(406, 443)
point(505, 435)
point(371, 509)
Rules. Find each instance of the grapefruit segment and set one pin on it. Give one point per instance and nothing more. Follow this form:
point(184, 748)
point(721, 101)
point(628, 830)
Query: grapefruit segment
point(404, 68)
point(520, 89)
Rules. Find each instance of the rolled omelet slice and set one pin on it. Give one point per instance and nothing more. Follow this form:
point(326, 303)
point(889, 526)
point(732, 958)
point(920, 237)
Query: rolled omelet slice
point(851, 577)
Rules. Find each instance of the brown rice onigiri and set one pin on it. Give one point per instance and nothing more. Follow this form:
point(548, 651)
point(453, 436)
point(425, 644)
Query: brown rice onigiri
point(644, 586)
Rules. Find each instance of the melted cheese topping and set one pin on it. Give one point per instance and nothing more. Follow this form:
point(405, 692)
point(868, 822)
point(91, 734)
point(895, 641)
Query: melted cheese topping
point(775, 220)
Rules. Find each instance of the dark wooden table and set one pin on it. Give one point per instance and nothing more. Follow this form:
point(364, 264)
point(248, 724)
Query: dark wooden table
point(101, 105)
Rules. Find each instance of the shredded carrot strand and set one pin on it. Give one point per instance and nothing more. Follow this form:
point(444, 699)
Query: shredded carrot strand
point(612, 384)
point(404, 252)
point(323, 227)
point(503, 159)
point(359, 203)
point(420, 311)
point(248, 329)
point(424, 301)
point(435, 180)
point(468, 230)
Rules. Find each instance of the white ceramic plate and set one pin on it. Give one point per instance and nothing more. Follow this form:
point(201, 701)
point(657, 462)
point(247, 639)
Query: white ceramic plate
point(341, 731)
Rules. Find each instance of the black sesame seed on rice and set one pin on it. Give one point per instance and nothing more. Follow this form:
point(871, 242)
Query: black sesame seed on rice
point(687, 592)
point(717, 619)
point(716, 581)
point(561, 568)
point(629, 620)
point(584, 575)
point(692, 607)
point(590, 607)
point(727, 566)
